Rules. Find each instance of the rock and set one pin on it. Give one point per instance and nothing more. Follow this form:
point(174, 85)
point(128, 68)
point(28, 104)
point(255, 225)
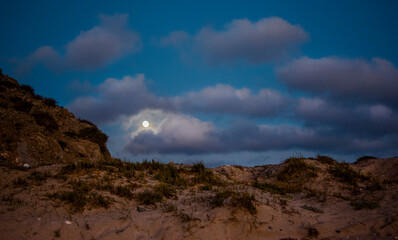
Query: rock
point(67, 222)
point(141, 209)
point(26, 165)
point(270, 227)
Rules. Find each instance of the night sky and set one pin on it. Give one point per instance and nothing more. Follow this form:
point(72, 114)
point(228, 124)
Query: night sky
point(225, 82)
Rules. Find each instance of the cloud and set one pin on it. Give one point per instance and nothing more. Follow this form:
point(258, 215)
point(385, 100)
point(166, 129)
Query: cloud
point(344, 79)
point(122, 97)
point(115, 98)
point(91, 49)
point(182, 134)
point(224, 99)
point(373, 120)
point(264, 41)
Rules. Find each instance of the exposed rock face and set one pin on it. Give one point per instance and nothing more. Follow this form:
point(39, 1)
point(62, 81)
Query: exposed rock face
point(36, 131)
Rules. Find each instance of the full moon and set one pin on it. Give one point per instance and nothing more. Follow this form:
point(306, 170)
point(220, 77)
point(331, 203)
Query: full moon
point(145, 124)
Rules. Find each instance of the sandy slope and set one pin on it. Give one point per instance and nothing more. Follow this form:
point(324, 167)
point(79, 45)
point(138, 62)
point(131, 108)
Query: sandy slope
point(26, 211)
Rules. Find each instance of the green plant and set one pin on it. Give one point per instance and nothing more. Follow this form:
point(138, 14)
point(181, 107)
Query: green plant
point(364, 204)
point(46, 120)
point(97, 200)
point(313, 209)
point(220, 197)
point(281, 188)
point(148, 197)
point(204, 175)
point(37, 177)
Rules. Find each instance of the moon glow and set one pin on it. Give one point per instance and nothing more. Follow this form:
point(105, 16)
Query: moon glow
point(145, 124)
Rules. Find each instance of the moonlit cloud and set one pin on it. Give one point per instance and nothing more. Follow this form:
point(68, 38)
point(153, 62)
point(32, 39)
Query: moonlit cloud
point(262, 41)
point(91, 49)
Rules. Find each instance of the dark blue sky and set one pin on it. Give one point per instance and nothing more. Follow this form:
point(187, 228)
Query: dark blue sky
point(226, 82)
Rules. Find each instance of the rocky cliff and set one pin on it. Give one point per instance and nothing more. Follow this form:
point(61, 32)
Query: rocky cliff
point(35, 131)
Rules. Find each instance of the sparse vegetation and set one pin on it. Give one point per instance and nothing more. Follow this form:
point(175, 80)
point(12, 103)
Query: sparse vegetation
point(236, 199)
point(124, 191)
point(345, 173)
point(148, 197)
point(165, 190)
point(57, 233)
point(281, 188)
point(21, 105)
point(296, 168)
point(169, 174)
point(27, 88)
point(204, 175)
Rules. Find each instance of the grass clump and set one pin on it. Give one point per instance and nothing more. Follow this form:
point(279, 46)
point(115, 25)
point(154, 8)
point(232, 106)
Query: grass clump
point(169, 174)
point(37, 177)
point(345, 173)
point(204, 175)
point(148, 197)
point(364, 204)
point(165, 190)
point(124, 191)
point(20, 182)
point(281, 188)
point(94, 135)
point(364, 158)
point(241, 199)
point(97, 200)
point(325, 160)
point(46, 120)
point(296, 168)
point(74, 167)
point(313, 209)
point(27, 88)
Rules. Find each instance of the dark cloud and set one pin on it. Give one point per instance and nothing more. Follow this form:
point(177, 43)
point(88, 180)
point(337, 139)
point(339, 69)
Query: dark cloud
point(225, 99)
point(266, 40)
point(344, 79)
point(91, 49)
point(371, 120)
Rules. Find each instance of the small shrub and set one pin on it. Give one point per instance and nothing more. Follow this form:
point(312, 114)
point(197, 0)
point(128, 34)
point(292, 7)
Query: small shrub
point(184, 217)
point(204, 175)
point(95, 135)
point(148, 197)
point(313, 232)
point(74, 167)
point(220, 197)
point(169, 174)
point(345, 173)
point(87, 122)
point(296, 168)
point(97, 200)
point(57, 233)
point(165, 190)
point(46, 120)
point(50, 102)
point(27, 88)
point(325, 160)
point(313, 209)
point(37, 177)
point(364, 204)
point(124, 191)
point(364, 158)
point(244, 200)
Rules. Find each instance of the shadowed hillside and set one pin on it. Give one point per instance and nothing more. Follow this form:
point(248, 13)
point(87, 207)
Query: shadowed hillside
point(58, 181)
